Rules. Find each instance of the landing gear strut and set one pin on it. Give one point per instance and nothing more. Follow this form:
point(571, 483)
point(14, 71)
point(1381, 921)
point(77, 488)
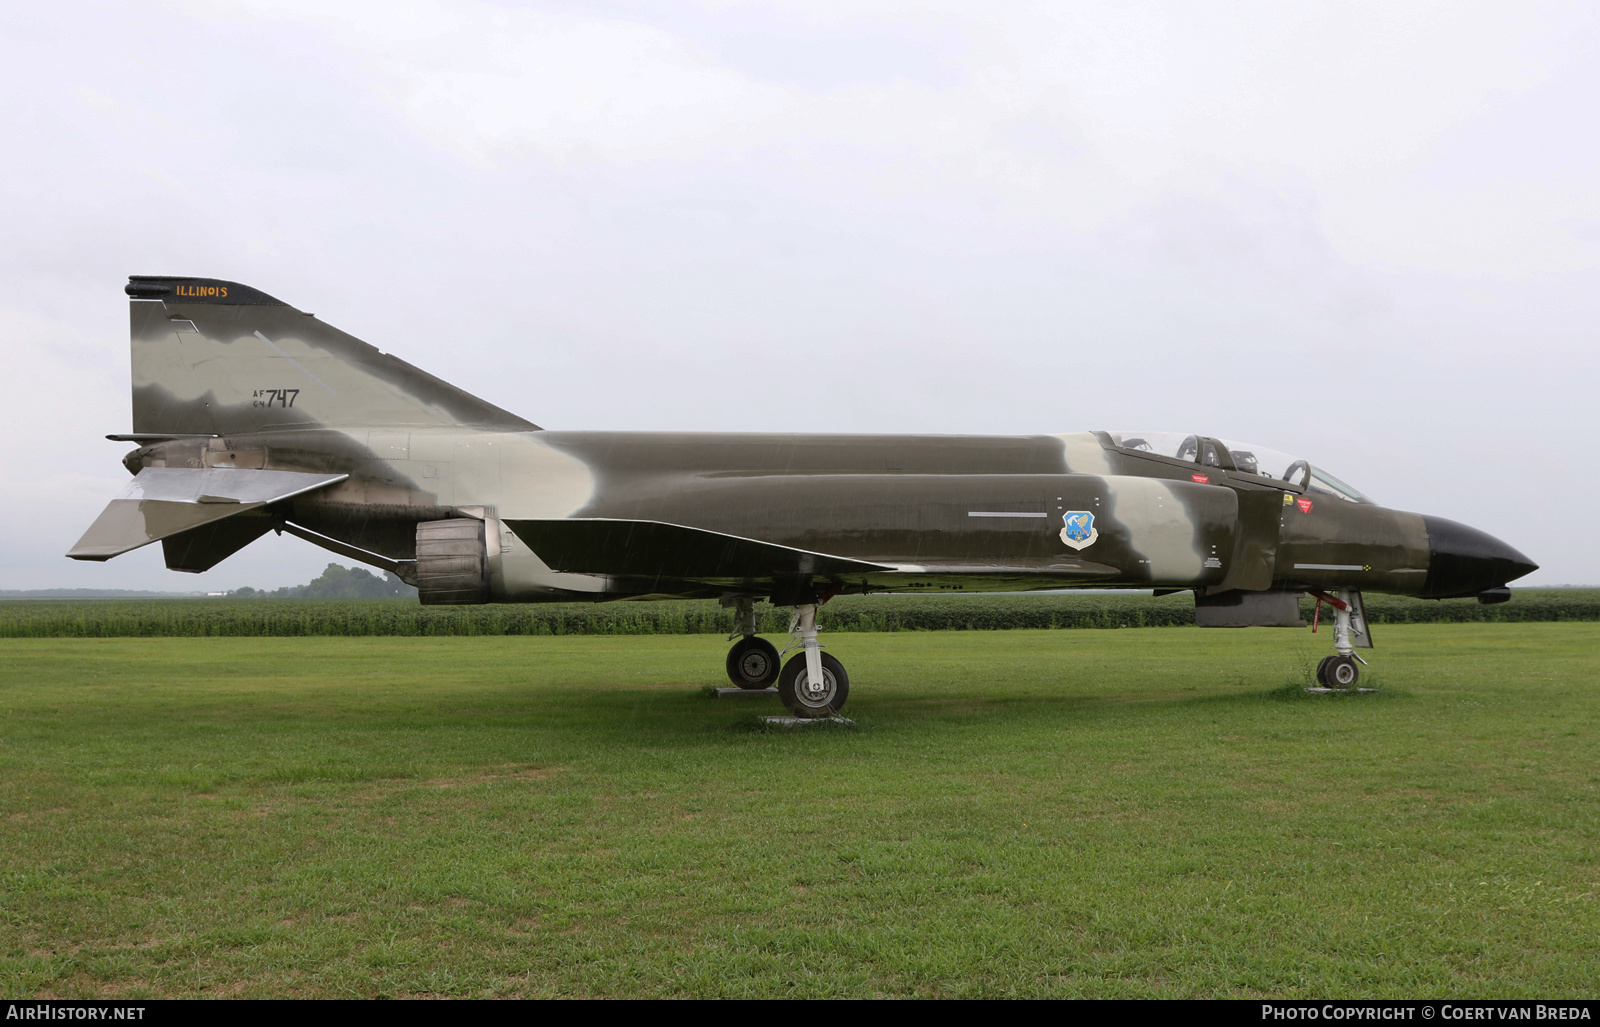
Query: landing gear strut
point(813, 684)
point(752, 662)
point(1342, 670)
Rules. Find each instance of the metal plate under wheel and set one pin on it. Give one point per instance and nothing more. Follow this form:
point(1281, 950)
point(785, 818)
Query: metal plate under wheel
point(735, 693)
point(1339, 691)
point(808, 721)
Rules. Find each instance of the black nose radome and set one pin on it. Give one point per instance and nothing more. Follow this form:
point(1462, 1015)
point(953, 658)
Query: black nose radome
point(1464, 561)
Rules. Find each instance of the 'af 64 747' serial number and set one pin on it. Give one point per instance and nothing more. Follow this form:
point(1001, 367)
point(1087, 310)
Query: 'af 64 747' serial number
point(274, 397)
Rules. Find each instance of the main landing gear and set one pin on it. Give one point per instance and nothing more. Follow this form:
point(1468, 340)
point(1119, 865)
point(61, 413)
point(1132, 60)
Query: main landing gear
point(812, 684)
point(753, 661)
point(1343, 669)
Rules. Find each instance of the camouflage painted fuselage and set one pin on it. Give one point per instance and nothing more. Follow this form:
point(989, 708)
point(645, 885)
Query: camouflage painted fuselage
point(242, 381)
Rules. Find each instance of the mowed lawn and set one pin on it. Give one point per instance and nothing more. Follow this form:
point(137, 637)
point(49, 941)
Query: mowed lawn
point(1158, 812)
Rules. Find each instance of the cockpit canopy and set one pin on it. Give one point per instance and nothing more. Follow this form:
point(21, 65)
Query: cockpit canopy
point(1245, 457)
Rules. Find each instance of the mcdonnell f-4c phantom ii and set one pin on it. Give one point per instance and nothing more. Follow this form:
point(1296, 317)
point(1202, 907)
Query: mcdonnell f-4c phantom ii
point(251, 416)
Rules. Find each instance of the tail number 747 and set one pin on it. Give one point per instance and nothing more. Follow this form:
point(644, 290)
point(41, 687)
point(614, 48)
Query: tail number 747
point(274, 397)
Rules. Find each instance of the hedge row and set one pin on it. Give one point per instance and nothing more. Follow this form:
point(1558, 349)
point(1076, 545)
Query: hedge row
point(296, 617)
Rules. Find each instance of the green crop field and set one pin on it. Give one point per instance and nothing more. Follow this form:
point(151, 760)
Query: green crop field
point(1145, 811)
point(255, 618)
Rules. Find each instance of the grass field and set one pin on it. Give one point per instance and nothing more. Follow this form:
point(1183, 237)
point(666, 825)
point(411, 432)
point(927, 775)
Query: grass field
point(1154, 811)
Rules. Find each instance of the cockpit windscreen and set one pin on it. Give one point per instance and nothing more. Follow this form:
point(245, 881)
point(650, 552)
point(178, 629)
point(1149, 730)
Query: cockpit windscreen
point(1242, 456)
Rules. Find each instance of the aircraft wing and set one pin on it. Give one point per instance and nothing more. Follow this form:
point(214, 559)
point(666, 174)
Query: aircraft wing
point(164, 501)
point(661, 551)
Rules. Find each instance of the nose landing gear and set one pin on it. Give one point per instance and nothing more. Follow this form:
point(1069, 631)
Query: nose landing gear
point(1338, 672)
point(1342, 670)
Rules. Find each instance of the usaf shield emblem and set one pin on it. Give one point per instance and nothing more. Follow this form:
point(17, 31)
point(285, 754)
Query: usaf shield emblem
point(1079, 531)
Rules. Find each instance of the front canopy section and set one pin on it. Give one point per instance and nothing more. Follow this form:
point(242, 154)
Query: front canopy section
point(1244, 457)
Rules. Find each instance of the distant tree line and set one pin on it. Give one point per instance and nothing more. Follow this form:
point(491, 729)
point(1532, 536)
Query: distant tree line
point(336, 582)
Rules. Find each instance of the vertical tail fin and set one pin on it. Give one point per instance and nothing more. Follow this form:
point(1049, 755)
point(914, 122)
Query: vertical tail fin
point(219, 358)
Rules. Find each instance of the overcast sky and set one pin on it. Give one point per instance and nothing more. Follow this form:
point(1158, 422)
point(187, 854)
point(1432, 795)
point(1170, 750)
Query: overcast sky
point(1366, 233)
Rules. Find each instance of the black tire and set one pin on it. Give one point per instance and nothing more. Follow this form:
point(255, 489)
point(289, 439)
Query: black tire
point(800, 700)
point(1322, 671)
point(1343, 672)
point(753, 663)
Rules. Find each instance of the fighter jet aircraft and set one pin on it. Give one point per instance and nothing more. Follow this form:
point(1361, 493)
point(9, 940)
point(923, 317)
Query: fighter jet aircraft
point(251, 416)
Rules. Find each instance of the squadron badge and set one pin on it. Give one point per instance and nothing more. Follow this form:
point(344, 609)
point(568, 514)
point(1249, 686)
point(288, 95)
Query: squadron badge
point(1079, 531)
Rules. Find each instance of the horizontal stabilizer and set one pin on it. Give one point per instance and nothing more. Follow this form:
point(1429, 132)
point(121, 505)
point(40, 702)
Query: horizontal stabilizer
point(656, 550)
point(164, 501)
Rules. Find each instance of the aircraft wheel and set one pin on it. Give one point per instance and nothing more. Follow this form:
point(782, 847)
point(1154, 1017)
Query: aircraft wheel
point(1343, 671)
point(1322, 671)
point(753, 663)
point(802, 700)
